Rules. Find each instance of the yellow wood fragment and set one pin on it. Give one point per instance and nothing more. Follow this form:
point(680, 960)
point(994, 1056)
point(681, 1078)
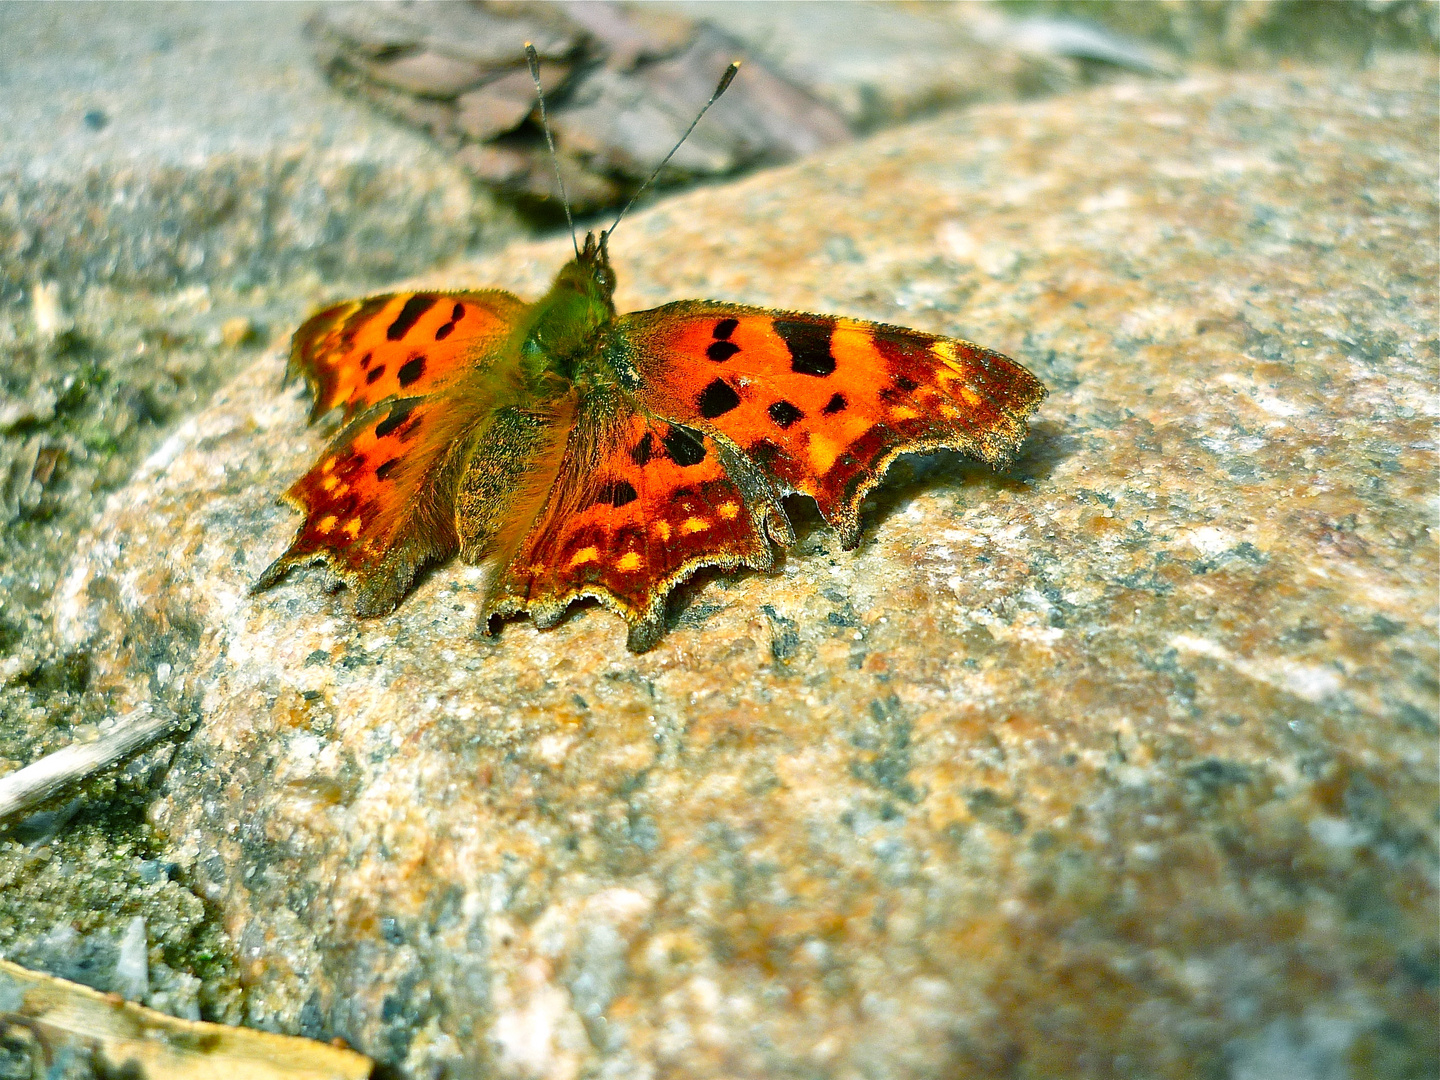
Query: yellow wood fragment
point(53, 1014)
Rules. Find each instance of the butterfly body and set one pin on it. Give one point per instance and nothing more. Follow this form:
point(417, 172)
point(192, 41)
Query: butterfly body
point(575, 452)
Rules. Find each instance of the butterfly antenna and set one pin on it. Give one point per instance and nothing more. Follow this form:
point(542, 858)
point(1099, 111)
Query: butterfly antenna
point(533, 59)
point(720, 89)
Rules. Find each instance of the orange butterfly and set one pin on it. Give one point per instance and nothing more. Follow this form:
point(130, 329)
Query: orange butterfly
point(575, 452)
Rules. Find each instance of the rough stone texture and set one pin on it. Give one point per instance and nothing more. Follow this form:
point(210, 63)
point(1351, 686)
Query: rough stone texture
point(152, 146)
point(173, 180)
point(622, 84)
point(881, 63)
point(1255, 33)
point(1119, 764)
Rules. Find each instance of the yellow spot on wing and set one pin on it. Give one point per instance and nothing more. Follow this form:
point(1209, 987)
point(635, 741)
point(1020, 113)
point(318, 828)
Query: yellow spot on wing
point(970, 396)
point(903, 412)
point(629, 561)
point(326, 523)
point(728, 510)
point(352, 528)
point(823, 453)
point(945, 352)
point(662, 530)
point(329, 483)
point(328, 465)
point(585, 555)
point(693, 525)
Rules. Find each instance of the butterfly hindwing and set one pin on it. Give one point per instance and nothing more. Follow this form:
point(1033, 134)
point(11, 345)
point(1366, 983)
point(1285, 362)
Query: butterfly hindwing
point(823, 404)
point(359, 353)
point(378, 504)
point(639, 503)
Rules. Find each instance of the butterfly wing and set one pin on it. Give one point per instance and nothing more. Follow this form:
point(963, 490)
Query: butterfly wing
point(359, 353)
point(822, 405)
point(378, 503)
point(410, 372)
point(637, 506)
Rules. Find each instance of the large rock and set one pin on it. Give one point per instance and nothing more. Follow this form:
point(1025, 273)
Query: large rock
point(622, 86)
point(1119, 763)
point(162, 145)
point(174, 183)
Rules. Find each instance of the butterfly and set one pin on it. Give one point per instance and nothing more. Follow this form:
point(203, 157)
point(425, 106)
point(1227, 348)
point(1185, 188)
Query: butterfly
point(571, 451)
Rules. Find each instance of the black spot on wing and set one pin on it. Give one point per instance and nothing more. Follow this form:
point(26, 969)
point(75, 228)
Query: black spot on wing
point(834, 405)
point(446, 329)
point(618, 493)
point(684, 446)
point(409, 315)
point(717, 399)
point(374, 374)
point(784, 414)
point(411, 370)
point(720, 351)
point(906, 384)
point(724, 328)
point(383, 472)
point(644, 450)
point(809, 345)
point(398, 415)
point(365, 360)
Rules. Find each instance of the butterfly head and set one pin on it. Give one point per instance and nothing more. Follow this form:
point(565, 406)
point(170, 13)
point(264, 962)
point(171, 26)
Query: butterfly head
point(580, 303)
point(589, 273)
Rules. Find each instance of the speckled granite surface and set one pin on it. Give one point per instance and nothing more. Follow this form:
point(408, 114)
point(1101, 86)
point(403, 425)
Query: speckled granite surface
point(150, 147)
point(1119, 764)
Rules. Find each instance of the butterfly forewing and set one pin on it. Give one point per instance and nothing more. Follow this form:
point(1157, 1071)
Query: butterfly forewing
point(359, 353)
point(823, 404)
point(408, 371)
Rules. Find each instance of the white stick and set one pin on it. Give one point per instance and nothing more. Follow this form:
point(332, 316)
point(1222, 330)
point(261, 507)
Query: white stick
point(40, 780)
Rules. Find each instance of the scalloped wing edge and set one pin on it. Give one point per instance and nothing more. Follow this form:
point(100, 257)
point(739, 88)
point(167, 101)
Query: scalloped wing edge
point(996, 448)
point(646, 626)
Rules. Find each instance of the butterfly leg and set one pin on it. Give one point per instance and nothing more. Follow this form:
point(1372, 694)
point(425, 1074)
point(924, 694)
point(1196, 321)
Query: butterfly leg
point(759, 493)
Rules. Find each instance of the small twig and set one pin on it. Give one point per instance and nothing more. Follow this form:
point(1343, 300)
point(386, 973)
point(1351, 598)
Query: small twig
point(68, 1020)
point(46, 778)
